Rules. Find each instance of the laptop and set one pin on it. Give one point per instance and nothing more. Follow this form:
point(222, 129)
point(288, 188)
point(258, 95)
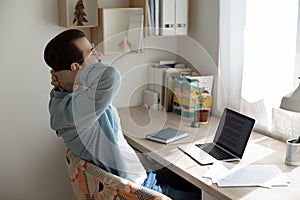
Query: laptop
point(229, 142)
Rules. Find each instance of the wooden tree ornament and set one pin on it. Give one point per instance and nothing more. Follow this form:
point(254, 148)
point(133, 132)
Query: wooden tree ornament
point(79, 14)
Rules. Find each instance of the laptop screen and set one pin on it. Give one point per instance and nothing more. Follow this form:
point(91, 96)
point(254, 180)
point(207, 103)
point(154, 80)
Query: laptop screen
point(234, 131)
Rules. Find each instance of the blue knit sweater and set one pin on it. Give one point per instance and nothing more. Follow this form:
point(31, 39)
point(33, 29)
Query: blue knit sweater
point(86, 121)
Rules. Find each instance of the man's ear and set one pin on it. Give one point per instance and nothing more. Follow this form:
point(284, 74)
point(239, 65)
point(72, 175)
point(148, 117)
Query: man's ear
point(75, 66)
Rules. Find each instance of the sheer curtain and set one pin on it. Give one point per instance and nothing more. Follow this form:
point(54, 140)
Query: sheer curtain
point(257, 61)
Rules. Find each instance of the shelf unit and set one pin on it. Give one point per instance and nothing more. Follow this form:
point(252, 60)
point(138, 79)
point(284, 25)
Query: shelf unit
point(171, 20)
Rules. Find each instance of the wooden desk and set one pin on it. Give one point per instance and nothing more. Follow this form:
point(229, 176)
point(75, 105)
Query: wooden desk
point(137, 122)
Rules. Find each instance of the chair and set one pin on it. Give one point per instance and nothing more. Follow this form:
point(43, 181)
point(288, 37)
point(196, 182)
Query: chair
point(89, 182)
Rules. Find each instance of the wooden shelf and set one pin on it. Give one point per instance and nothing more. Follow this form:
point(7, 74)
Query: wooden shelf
point(66, 9)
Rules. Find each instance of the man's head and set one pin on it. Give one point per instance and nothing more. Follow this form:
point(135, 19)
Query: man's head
point(69, 50)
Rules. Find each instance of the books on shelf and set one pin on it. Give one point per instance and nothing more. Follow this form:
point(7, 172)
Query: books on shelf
point(160, 79)
point(170, 75)
point(202, 82)
point(167, 135)
point(187, 88)
point(167, 17)
point(177, 88)
point(153, 17)
point(155, 80)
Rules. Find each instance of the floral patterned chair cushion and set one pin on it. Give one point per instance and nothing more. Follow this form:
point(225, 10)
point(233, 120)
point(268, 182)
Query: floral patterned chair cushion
point(90, 182)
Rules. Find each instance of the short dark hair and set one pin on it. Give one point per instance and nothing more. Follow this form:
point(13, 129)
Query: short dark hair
point(61, 51)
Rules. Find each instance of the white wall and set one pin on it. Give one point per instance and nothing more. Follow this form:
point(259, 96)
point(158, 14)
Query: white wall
point(204, 25)
point(134, 69)
point(32, 157)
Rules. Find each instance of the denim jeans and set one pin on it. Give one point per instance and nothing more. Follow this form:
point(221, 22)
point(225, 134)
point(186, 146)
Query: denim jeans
point(170, 184)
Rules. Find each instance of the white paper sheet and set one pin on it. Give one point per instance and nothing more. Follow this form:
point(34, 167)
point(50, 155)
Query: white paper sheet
point(235, 175)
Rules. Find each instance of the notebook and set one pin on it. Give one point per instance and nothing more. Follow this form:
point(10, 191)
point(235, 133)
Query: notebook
point(229, 142)
point(167, 135)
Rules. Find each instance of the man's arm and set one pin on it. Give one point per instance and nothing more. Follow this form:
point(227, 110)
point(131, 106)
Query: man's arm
point(102, 82)
point(85, 106)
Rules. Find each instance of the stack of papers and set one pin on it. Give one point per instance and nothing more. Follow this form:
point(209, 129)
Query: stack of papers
point(226, 174)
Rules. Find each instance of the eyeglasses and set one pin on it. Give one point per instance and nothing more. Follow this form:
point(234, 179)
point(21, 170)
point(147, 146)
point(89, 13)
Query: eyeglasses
point(93, 52)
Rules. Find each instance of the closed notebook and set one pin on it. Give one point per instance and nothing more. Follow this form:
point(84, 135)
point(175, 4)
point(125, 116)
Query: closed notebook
point(167, 135)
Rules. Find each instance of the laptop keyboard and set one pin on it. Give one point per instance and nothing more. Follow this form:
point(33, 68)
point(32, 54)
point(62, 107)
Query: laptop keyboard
point(215, 151)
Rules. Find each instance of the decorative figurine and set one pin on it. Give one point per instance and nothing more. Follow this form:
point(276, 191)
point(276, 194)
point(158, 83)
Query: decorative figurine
point(79, 13)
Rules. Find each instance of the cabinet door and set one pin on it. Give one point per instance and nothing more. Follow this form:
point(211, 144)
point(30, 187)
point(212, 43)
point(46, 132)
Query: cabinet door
point(120, 30)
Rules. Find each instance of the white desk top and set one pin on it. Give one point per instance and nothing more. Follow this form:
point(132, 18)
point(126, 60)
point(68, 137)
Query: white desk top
point(137, 122)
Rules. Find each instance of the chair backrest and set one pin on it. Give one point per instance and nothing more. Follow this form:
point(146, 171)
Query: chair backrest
point(91, 182)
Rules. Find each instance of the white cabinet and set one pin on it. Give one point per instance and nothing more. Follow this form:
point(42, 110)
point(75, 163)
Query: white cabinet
point(120, 30)
point(164, 17)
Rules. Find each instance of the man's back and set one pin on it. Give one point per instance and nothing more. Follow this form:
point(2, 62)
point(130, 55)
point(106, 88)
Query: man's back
point(90, 126)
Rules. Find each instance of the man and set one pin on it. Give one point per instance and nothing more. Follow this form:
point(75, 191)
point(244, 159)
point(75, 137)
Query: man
point(82, 114)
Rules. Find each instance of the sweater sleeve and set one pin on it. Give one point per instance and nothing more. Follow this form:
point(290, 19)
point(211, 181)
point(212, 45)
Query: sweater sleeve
point(102, 83)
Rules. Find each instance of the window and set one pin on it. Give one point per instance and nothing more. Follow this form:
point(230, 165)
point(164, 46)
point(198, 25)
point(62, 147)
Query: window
point(257, 61)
